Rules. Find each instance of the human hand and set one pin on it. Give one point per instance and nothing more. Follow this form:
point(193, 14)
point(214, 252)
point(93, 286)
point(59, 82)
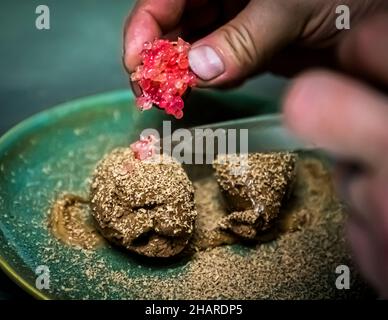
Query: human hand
point(350, 119)
point(237, 39)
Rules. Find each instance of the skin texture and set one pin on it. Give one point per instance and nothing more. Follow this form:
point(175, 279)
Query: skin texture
point(248, 36)
point(349, 118)
point(345, 112)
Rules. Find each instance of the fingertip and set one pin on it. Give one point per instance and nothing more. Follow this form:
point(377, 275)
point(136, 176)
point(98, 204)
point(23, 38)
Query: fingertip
point(139, 28)
point(291, 104)
point(328, 110)
point(298, 105)
point(128, 57)
point(133, 45)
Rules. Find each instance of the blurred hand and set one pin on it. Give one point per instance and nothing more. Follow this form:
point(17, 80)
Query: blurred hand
point(236, 39)
point(350, 119)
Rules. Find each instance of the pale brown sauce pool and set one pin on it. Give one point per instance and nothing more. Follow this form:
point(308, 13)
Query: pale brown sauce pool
point(70, 221)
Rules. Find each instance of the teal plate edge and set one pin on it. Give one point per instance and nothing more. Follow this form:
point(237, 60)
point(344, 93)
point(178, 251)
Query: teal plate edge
point(23, 128)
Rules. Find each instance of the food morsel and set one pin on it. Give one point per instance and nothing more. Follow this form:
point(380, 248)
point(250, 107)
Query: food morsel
point(254, 193)
point(146, 206)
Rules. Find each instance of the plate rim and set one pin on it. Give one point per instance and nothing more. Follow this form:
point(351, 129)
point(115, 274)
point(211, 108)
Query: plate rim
point(22, 128)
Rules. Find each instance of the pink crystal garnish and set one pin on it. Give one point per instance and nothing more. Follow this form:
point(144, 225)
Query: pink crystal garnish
point(145, 147)
point(164, 76)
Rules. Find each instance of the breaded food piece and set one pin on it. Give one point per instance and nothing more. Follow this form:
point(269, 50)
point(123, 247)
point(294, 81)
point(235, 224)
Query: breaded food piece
point(254, 193)
point(146, 206)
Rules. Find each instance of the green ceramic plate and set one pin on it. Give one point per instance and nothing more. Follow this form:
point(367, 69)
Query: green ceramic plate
point(55, 152)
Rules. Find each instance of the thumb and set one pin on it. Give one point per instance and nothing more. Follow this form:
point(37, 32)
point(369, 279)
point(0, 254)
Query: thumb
point(244, 45)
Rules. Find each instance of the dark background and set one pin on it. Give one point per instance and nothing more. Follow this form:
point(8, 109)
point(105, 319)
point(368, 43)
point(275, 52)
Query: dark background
point(80, 55)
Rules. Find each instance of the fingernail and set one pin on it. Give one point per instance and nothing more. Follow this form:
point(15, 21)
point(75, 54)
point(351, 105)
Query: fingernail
point(205, 62)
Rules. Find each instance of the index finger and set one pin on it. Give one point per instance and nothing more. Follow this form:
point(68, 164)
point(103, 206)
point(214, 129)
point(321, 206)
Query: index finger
point(341, 115)
point(149, 20)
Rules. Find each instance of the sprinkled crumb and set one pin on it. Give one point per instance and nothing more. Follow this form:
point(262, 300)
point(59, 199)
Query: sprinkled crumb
point(146, 206)
point(299, 264)
point(70, 221)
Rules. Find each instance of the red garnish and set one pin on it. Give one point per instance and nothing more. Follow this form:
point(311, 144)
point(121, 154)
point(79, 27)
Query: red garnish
point(164, 76)
point(145, 147)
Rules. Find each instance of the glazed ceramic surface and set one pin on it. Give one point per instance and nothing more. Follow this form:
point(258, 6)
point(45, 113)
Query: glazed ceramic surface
point(55, 152)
